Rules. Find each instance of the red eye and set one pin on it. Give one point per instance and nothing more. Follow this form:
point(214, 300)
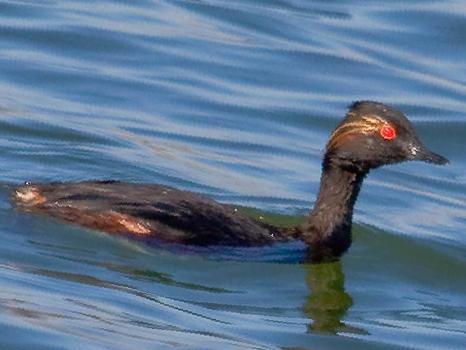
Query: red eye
point(388, 132)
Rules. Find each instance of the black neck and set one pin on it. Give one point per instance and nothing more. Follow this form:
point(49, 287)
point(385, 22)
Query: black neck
point(328, 228)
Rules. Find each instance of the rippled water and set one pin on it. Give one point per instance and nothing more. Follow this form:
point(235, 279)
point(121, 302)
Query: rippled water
point(235, 100)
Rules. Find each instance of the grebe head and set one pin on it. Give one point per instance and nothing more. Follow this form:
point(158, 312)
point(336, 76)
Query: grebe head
point(373, 134)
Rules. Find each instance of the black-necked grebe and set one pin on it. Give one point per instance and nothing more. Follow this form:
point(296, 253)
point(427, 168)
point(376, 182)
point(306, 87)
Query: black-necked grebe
point(371, 135)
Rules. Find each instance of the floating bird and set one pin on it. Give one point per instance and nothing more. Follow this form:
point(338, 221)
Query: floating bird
point(372, 134)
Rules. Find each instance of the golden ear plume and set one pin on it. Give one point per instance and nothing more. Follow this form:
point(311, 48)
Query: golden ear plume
point(367, 125)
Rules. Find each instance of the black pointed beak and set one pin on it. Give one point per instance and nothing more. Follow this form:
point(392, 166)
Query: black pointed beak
point(422, 153)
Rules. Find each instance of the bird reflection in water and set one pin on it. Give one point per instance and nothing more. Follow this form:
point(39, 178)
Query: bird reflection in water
point(328, 300)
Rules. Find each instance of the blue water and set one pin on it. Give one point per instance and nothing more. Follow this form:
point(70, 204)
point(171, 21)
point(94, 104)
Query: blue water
point(234, 100)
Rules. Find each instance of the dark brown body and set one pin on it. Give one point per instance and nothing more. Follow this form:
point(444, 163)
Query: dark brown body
point(371, 135)
point(150, 212)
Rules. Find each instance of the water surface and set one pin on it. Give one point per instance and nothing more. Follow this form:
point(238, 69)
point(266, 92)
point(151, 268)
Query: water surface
point(234, 100)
